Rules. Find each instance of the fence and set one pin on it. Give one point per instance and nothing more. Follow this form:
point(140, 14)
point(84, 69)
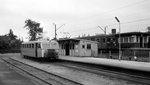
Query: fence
point(10, 50)
point(142, 54)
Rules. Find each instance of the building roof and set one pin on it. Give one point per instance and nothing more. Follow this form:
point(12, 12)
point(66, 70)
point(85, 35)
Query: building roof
point(29, 42)
point(69, 39)
point(134, 33)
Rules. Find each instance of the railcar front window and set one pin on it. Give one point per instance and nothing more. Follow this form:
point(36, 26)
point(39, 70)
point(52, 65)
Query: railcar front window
point(45, 46)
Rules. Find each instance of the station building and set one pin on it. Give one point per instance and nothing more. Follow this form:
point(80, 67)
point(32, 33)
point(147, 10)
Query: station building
point(135, 39)
point(128, 40)
point(78, 47)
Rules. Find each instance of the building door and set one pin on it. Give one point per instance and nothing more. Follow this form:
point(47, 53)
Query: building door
point(141, 41)
point(67, 49)
point(148, 42)
point(36, 47)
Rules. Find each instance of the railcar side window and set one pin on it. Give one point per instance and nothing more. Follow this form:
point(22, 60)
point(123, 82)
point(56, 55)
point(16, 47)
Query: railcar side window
point(29, 45)
point(39, 45)
point(32, 45)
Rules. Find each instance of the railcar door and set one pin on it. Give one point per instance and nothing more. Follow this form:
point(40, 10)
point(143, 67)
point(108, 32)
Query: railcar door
point(148, 42)
point(36, 47)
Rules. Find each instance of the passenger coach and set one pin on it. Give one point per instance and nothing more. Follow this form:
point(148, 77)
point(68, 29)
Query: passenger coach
point(40, 49)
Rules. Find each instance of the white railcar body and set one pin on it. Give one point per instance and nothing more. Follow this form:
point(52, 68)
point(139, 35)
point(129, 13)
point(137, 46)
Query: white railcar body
point(38, 49)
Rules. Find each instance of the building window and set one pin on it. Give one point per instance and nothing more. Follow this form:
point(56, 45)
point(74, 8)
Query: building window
point(62, 46)
point(83, 46)
point(108, 39)
point(88, 46)
point(145, 39)
point(131, 39)
point(98, 40)
point(92, 39)
point(138, 39)
point(71, 46)
point(76, 46)
point(125, 39)
point(104, 40)
point(121, 40)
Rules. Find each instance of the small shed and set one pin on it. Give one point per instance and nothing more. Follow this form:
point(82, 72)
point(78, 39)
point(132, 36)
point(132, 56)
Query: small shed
point(78, 47)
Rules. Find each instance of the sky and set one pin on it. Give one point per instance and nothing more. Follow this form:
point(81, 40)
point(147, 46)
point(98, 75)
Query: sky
point(74, 17)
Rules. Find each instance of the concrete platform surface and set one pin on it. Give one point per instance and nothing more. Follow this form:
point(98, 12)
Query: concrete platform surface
point(143, 66)
point(10, 77)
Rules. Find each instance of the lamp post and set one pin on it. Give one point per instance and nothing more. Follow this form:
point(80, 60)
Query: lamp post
point(119, 38)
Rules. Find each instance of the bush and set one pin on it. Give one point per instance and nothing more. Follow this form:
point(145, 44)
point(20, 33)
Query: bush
point(10, 50)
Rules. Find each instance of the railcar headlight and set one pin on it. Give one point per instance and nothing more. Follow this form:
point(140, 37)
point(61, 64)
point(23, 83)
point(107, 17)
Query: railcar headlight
point(45, 53)
point(57, 51)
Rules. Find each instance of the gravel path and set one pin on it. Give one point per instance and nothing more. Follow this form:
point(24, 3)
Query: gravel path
point(85, 78)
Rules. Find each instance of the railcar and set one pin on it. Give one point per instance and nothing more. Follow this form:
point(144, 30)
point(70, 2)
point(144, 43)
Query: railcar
point(40, 49)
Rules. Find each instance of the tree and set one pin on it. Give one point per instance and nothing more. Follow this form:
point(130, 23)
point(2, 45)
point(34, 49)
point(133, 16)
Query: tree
point(9, 43)
point(11, 35)
point(34, 28)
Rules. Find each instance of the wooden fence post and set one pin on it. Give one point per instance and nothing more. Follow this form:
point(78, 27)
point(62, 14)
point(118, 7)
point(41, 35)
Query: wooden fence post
point(101, 53)
point(149, 56)
point(110, 56)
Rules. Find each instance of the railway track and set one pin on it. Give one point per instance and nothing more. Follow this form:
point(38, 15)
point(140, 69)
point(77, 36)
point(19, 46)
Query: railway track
point(131, 75)
point(44, 76)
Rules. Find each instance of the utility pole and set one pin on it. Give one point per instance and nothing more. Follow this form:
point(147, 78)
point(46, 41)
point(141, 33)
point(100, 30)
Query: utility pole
point(56, 30)
point(104, 30)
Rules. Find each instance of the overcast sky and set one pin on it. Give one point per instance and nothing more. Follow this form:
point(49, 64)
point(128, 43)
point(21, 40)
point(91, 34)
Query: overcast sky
point(79, 16)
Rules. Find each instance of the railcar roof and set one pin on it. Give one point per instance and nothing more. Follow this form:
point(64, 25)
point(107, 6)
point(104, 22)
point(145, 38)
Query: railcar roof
point(35, 42)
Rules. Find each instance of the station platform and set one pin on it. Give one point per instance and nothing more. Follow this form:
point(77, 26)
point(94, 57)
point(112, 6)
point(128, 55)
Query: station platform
point(134, 65)
point(11, 77)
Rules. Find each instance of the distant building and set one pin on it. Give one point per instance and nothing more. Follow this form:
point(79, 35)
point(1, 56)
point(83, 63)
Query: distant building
point(128, 40)
point(135, 40)
point(78, 47)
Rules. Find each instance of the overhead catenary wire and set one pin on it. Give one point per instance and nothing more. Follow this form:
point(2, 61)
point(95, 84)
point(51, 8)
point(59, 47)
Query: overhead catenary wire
point(126, 6)
point(128, 22)
point(113, 10)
